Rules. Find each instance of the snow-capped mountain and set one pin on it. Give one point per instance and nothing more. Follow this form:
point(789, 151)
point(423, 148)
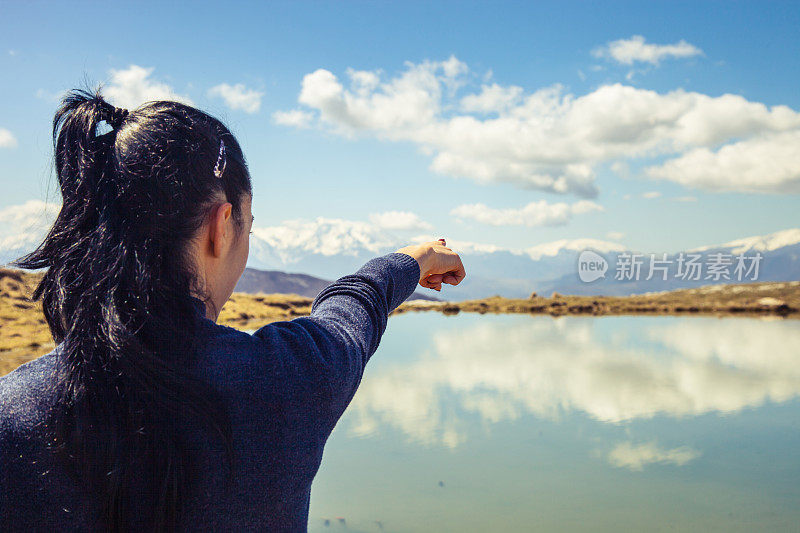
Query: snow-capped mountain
point(329, 248)
point(761, 243)
point(551, 267)
point(545, 268)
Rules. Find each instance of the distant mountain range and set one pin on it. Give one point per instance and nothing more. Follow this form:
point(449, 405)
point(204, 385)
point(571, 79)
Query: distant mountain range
point(326, 249)
point(546, 268)
point(779, 261)
point(255, 281)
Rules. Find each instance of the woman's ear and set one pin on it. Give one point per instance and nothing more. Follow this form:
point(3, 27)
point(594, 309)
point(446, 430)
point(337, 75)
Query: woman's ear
point(220, 234)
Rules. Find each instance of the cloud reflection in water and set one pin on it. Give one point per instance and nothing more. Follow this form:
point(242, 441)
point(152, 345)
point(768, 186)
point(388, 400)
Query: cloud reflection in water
point(546, 368)
point(636, 456)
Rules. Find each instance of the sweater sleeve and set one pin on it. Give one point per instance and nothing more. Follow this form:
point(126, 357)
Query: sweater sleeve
point(347, 321)
point(357, 306)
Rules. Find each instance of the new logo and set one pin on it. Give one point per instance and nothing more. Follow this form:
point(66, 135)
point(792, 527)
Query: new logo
point(591, 266)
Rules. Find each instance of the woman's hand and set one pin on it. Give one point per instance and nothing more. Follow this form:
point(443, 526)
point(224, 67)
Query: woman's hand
point(437, 264)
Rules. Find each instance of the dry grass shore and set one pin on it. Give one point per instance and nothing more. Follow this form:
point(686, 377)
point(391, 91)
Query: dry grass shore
point(24, 334)
point(751, 299)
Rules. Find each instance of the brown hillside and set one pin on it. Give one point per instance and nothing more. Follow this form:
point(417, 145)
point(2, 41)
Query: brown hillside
point(24, 334)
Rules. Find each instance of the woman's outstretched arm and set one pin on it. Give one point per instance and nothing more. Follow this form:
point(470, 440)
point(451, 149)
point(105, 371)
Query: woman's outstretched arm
point(349, 316)
point(357, 306)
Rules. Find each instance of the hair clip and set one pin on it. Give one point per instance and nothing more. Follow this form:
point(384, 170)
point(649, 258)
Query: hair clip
point(219, 168)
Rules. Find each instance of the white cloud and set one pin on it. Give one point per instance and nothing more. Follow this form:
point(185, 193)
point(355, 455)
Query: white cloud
point(636, 456)
point(363, 81)
point(399, 220)
point(767, 163)
point(685, 198)
point(238, 97)
point(30, 213)
point(547, 139)
point(464, 247)
point(552, 249)
point(635, 49)
point(48, 96)
point(534, 214)
point(492, 99)
point(7, 139)
point(294, 117)
point(133, 86)
point(615, 235)
point(23, 226)
point(650, 195)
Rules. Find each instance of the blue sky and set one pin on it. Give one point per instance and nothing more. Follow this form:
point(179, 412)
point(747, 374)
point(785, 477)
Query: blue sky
point(587, 151)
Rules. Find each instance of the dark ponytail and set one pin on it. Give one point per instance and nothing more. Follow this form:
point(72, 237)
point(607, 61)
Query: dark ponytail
point(117, 297)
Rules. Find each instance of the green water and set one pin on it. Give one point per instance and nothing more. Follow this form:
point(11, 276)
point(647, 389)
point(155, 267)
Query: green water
point(519, 423)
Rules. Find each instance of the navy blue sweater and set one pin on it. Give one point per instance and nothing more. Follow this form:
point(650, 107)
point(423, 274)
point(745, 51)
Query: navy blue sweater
point(285, 387)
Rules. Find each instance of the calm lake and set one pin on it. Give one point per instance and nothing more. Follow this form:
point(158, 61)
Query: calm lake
point(520, 423)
